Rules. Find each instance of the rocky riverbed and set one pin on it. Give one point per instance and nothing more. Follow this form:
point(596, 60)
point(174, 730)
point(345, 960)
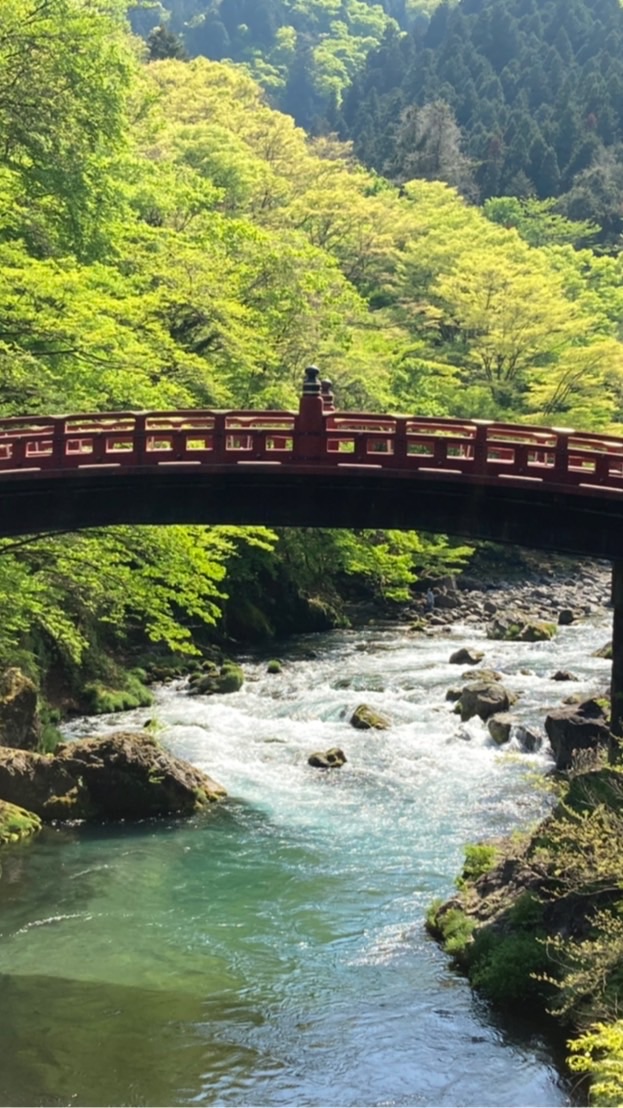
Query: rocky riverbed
point(555, 590)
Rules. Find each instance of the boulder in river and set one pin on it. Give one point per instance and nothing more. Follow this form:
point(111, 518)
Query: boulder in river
point(481, 675)
point(329, 759)
point(365, 718)
point(484, 699)
point(500, 726)
point(530, 741)
point(577, 727)
point(465, 656)
point(19, 721)
point(123, 775)
point(453, 693)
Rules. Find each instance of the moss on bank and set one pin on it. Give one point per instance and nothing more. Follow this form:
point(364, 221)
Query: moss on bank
point(16, 823)
point(540, 921)
point(130, 692)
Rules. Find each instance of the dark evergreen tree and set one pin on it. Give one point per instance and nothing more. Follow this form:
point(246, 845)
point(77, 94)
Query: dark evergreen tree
point(536, 86)
point(163, 43)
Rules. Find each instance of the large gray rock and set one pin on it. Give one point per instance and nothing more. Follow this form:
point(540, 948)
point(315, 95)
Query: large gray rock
point(578, 727)
point(19, 722)
point(484, 699)
point(124, 775)
point(42, 784)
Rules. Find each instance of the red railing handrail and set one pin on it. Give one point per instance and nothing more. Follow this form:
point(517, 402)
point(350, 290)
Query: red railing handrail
point(315, 436)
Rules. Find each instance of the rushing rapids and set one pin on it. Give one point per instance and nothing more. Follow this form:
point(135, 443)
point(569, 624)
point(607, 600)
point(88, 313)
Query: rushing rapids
point(273, 951)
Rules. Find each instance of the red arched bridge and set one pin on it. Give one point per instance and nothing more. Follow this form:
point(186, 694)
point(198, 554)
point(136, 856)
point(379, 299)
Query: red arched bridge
point(549, 488)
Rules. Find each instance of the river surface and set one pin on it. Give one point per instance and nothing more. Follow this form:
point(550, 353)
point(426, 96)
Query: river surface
point(272, 951)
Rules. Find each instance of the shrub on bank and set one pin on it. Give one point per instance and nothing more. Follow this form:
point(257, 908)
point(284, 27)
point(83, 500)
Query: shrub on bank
point(541, 921)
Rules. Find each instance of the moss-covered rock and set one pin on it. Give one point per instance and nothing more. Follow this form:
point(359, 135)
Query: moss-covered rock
point(488, 675)
point(365, 718)
point(515, 626)
point(42, 784)
point(274, 666)
point(19, 721)
point(229, 678)
point(129, 775)
point(16, 823)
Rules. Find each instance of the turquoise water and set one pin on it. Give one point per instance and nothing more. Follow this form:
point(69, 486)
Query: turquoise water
point(272, 951)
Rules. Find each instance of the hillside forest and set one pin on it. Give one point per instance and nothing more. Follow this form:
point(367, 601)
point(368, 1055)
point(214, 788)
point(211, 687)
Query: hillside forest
point(170, 239)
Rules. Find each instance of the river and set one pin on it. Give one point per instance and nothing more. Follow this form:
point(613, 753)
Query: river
point(272, 951)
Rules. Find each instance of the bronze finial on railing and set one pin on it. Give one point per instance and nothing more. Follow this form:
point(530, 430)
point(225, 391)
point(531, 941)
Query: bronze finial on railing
point(328, 399)
point(311, 382)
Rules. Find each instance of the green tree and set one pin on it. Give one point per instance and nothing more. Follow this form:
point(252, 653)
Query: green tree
point(59, 163)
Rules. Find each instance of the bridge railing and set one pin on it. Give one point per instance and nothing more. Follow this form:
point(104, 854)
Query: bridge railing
point(313, 438)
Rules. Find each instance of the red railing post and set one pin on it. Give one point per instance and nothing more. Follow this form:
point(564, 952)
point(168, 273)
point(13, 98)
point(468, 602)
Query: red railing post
point(481, 446)
point(140, 438)
point(58, 443)
point(561, 456)
point(309, 425)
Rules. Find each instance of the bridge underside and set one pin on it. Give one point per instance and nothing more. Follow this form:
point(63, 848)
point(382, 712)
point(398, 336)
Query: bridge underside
point(526, 515)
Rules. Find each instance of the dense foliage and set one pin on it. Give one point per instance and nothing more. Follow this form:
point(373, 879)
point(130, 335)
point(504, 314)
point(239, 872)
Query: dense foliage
point(501, 97)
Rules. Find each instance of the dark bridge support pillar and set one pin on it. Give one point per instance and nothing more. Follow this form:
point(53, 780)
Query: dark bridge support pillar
point(616, 688)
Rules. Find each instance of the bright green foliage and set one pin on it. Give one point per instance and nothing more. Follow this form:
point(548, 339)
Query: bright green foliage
point(453, 926)
point(76, 595)
point(599, 1053)
point(65, 70)
point(538, 221)
point(507, 967)
point(479, 859)
point(388, 561)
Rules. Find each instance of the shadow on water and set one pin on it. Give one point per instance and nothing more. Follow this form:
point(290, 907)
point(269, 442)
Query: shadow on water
point(96, 1043)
